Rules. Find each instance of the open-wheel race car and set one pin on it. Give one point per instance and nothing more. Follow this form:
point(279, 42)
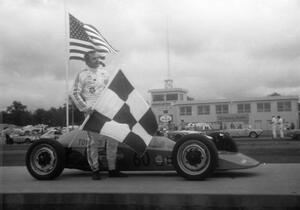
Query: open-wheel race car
point(193, 156)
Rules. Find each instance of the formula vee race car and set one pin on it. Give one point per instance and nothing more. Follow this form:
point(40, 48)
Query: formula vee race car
point(194, 156)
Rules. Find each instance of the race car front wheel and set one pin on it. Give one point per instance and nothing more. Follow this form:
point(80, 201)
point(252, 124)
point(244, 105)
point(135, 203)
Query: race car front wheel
point(45, 159)
point(195, 157)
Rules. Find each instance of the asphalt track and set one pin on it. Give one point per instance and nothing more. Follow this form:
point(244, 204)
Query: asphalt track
point(268, 186)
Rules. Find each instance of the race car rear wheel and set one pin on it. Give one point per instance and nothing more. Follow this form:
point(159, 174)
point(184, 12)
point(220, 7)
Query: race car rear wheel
point(45, 159)
point(195, 157)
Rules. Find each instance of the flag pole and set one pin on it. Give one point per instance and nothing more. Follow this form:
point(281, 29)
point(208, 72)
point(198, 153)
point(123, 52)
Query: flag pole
point(67, 62)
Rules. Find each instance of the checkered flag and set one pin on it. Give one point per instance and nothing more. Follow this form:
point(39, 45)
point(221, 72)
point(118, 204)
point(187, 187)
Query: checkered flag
point(122, 113)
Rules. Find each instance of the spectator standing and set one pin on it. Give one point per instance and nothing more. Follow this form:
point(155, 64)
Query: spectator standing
point(280, 126)
point(171, 126)
point(182, 125)
point(274, 127)
point(232, 126)
point(292, 126)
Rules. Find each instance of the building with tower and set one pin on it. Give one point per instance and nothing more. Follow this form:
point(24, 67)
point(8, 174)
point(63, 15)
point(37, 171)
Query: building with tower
point(174, 106)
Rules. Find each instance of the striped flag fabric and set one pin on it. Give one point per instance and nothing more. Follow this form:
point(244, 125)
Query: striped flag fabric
point(122, 113)
point(84, 38)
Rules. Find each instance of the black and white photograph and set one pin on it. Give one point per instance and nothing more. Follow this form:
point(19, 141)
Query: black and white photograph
point(147, 104)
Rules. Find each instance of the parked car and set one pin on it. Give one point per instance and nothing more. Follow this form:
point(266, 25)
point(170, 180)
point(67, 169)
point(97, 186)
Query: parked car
point(178, 134)
point(51, 134)
point(293, 133)
point(26, 137)
point(243, 132)
point(5, 135)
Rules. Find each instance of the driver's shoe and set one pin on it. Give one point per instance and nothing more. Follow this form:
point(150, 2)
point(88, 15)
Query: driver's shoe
point(96, 175)
point(116, 173)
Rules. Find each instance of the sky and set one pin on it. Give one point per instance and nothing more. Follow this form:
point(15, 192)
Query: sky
point(216, 49)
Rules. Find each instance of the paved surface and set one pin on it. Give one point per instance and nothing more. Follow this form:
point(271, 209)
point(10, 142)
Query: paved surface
point(268, 186)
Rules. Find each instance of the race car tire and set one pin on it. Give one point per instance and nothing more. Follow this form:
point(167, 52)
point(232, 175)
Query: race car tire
point(195, 157)
point(45, 159)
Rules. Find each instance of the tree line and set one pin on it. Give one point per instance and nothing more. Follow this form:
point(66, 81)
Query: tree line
point(19, 115)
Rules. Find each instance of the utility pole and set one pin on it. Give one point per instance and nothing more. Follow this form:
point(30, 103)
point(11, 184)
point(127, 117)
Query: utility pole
point(168, 81)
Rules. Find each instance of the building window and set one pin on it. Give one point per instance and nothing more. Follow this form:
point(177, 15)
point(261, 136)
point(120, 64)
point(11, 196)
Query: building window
point(186, 110)
point(172, 97)
point(158, 97)
point(284, 106)
point(203, 110)
point(222, 109)
point(244, 108)
point(264, 107)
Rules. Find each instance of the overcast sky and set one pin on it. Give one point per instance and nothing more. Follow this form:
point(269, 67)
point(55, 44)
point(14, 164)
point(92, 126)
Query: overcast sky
point(217, 49)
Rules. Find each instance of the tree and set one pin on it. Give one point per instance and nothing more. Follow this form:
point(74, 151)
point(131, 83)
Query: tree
point(39, 116)
point(18, 114)
point(16, 107)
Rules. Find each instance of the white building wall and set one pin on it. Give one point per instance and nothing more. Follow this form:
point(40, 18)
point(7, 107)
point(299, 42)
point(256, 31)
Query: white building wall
point(255, 119)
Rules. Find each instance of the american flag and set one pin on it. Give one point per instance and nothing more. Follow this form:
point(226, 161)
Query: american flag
point(122, 114)
point(85, 37)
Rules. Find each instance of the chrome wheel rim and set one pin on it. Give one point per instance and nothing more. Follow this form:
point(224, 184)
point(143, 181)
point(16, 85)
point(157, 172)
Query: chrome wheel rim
point(43, 159)
point(193, 158)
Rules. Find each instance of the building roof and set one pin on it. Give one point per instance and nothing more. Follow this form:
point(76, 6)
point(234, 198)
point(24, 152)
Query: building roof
point(165, 90)
point(266, 98)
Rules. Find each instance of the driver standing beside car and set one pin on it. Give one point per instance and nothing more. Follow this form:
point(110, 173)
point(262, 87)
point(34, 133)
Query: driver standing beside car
point(88, 85)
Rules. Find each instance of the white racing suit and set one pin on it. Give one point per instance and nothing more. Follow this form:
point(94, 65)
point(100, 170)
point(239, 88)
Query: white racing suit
point(274, 127)
point(281, 128)
point(88, 86)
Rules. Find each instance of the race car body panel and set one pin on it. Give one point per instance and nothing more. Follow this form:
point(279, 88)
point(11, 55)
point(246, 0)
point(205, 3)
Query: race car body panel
point(235, 160)
point(75, 139)
point(157, 157)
